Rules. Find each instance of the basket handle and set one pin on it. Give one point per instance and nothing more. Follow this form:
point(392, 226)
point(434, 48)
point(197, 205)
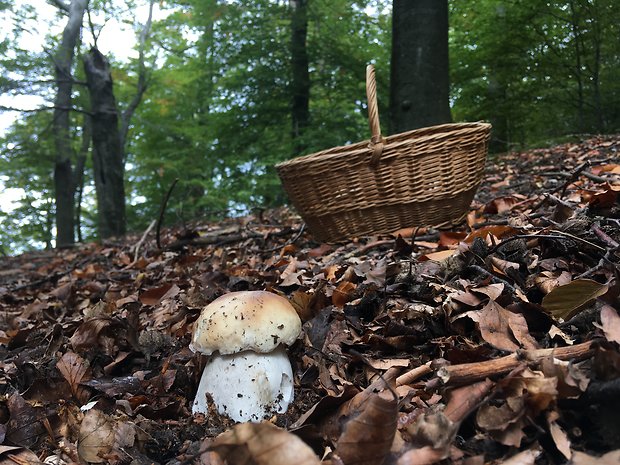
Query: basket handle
point(376, 141)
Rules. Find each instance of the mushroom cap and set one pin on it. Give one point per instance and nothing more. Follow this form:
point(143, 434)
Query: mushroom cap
point(245, 320)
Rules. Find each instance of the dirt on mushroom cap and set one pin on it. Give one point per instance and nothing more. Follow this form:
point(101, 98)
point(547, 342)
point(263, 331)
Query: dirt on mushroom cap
point(245, 320)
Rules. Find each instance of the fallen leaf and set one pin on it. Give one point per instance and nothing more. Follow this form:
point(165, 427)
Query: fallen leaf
point(262, 444)
point(374, 425)
point(16, 455)
point(156, 295)
point(566, 301)
point(74, 369)
point(527, 457)
point(610, 458)
point(548, 280)
point(610, 322)
point(96, 437)
point(498, 231)
point(25, 426)
point(438, 256)
point(559, 436)
point(503, 329)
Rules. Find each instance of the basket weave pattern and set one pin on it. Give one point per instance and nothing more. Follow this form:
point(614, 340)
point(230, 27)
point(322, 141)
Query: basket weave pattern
point(417, 178)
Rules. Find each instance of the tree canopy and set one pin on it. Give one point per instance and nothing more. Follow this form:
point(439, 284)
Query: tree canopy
point(219, 87)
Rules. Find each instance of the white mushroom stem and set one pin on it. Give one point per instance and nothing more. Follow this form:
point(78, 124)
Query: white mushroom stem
point(247, 386)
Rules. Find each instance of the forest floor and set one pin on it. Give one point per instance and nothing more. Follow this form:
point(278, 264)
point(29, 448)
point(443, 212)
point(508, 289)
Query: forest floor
point(497, 341)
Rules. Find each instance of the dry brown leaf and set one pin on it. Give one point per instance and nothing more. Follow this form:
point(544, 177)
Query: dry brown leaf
point(262, 444)
point(74, 369)
point(438, 256)
point(499, 231)
point(559, 436)
point(96, 437)
point(502, 328)
point(546, 281)
point(492, 291)
point(526, 457)
point(156, 295)
point(610, 458)
point(422, 456)
point(15, 455)
point(431, 436)
point(87, 334)
point(25, 426)
point(610, 322)
point(343, 293)
point(572, 378)
point(373, 426)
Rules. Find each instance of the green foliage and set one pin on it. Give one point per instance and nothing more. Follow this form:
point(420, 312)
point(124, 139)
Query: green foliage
point(219, 116)
point(216, 113)
point(536, 69)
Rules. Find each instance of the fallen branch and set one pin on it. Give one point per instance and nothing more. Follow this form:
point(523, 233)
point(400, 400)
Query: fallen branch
point(141, 241)
point(468, 373)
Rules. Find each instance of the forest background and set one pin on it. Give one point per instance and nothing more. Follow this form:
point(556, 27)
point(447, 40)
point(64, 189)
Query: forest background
point(208, 98)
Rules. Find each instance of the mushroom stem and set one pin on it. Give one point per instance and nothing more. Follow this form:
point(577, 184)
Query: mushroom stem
point(247, 386)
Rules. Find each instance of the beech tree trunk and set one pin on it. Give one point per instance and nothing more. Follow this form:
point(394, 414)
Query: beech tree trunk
point(419, 87)
point(300, 86)
point(108, 163)
point(64, 181)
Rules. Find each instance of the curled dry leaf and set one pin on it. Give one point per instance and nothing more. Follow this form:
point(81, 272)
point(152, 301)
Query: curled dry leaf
point(374, 427)
point(156, 295)
point(503, 329)
point(262, 444)
point(17, 455)
point(610, 322)
point(431, 433)
point(26, 425)
point(527, 457)
point(610, 458)
point(88, 333)
point(74, 369)
point(559, 436)
point(96, 437)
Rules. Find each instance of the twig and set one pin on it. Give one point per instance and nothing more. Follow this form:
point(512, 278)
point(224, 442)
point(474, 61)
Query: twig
point(572, 177)
point(468, 373)
point(142, 239)
point(413, 375)
point(161, 212)
point(603, 236)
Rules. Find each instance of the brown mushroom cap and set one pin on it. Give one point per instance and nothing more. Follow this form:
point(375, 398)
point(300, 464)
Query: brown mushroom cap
point(245, 320)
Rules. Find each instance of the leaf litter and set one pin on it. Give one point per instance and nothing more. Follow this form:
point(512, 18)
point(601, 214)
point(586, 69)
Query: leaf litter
point(494, 342)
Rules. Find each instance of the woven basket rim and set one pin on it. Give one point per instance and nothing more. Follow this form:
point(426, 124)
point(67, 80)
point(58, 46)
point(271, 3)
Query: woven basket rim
point(394, 141)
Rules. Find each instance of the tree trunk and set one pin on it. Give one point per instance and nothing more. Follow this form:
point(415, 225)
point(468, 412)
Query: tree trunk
point(63, 174)
point(300, 86)
point(108, 163)
point(419, 88)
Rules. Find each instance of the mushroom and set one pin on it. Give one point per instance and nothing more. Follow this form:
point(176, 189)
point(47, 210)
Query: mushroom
point(248, 375)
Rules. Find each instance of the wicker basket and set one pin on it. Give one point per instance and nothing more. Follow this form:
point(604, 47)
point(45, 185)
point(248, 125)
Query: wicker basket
point(417, 178)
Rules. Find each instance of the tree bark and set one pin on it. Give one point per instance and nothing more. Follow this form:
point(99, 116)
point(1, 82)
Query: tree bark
point(63, 173)
point(419, 88)
point(300, 86)
point(108, 163)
